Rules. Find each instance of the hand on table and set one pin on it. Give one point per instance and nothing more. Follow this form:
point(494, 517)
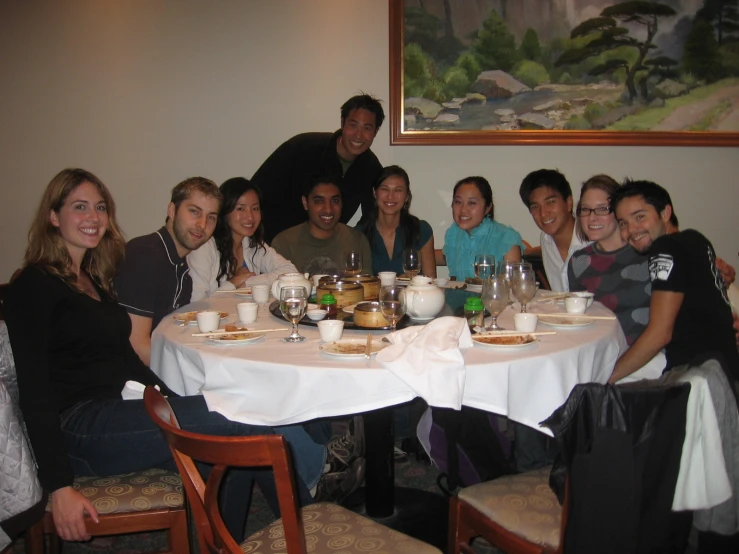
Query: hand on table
point(68, 508)
point(241, 276)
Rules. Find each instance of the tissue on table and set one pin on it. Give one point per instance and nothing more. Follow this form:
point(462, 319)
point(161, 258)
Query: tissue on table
point(427, 358)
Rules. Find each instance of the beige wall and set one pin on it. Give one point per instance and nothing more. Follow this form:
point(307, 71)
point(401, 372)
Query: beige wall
point(147, 92)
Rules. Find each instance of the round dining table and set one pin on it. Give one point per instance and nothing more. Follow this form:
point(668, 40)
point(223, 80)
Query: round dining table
point(271, 382)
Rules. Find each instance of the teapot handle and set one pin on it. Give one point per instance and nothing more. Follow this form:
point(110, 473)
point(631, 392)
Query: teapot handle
point(276, 289)
point(410, 295)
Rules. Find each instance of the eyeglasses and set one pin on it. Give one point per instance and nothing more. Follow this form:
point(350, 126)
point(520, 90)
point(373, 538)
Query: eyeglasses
point(601, 210)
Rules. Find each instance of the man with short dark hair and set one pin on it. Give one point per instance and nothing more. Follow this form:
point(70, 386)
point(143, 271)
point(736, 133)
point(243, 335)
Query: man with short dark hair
point(154, 280)
point(320, 244)
point(548, 197)
point(344, 157)
point(689, 311)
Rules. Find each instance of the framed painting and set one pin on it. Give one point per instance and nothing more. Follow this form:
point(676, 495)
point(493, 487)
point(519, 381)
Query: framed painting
point(579, 72)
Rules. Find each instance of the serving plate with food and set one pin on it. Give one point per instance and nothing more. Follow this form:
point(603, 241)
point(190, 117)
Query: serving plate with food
point(351, 348)
point(505, 342)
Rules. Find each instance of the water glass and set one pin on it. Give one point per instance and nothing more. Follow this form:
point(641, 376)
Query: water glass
point(353, 264)
point(411, 260)
point(293, 302)
point(495, 298)
point(484, 266)
point(392, 304)
point(523, 285)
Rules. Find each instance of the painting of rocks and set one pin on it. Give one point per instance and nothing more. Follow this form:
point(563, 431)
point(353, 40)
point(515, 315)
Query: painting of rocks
point(570, 65)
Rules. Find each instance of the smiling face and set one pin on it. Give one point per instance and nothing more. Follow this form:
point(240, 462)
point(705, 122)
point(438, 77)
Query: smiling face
point(550, 211)
point(324, 209)
point(468, 207)
point(82, 220)
point(640, 223)
point(193, 222)
point(244, 219)
point(358, 131)
point(599, 228)
point(391, 195)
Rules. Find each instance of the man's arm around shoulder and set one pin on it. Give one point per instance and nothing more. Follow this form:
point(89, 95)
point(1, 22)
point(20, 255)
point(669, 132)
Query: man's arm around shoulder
point(663, 309)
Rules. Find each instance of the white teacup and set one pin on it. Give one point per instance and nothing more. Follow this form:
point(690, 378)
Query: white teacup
point(208, 321)
point(584, 294)
point(247, 311)
point(387, 278)
point(576, 304)
point(441, 281)
point(330, 329)
point(525, 322)
point(260, 293)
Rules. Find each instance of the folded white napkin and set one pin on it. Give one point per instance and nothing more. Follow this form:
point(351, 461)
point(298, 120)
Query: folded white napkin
point(429, 361)
point(133, 390)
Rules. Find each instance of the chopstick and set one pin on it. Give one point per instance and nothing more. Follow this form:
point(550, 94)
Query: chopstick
point(579, 315)
point(246, 290)
point(368, 347)
point(514, 334)
point(241, 332)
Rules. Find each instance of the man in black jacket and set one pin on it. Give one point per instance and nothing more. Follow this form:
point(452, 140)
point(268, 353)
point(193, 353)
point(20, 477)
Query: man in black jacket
point(343, 156)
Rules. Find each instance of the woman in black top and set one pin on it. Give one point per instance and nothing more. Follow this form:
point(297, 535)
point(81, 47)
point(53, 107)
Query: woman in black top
point(70, 343)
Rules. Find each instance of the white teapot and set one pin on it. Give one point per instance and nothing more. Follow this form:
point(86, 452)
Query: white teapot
point(423, 299)
point(292, 280)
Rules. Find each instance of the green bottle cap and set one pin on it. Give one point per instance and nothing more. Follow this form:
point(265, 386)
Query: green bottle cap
point(328, 299)
point(473, 303)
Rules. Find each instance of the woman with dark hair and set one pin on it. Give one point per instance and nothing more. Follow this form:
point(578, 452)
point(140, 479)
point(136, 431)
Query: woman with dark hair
point(475, 230)
point(237, 255)
point(390, 227)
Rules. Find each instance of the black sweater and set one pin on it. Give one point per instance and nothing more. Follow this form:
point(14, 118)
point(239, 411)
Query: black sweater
point(67, 348)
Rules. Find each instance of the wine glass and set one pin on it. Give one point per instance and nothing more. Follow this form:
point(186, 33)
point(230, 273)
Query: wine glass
point(495, 298)
point(505, 268)
point(293, 302)
point(523, 285)
point(353, 264)
point(411, 262)
point(392, 304)
point(484, 266)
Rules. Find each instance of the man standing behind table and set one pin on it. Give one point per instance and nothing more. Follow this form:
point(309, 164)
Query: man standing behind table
point(548, 197)
point(689, 311)
point(154, 280)
point(344, 157)
point(320, 244)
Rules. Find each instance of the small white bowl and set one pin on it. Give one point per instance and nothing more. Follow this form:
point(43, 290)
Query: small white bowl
point(316, 315)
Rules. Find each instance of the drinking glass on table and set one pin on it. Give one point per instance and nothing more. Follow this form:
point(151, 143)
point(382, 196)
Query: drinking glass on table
point(392, 304)
point(484, 266)
point(505, 268)
point(293, 302)
point(523, 285)
point(353, 264)
point(411, 260)
point(495, 298)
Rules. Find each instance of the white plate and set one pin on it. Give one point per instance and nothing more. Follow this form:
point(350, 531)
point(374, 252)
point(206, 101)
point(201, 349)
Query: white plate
point(564, 322)
point(190, 318)
point(479, 340)
point(474, 288)
point(351, 348)
point(349, 309)
point(226, 340)
point(244, 293)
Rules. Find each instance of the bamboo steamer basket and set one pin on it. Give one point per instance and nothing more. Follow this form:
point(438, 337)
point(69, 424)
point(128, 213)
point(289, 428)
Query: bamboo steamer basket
point(368, 314)
point(371, 285)
point(345, 293)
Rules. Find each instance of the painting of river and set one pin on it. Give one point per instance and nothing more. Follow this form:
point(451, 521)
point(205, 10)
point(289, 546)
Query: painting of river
point(584, 71)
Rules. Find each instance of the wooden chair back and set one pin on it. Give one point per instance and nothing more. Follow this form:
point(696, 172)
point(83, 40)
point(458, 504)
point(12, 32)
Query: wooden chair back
point(223, 452)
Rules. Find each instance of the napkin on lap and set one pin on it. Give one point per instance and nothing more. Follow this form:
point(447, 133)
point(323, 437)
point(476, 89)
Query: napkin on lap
point(133, 390)
point(428, 360)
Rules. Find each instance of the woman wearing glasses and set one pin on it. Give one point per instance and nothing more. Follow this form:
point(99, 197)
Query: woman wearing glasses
point(608, 267)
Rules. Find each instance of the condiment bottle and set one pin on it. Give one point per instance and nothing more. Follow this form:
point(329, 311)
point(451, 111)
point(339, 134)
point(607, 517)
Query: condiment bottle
point(474, 312)
point(328, 303)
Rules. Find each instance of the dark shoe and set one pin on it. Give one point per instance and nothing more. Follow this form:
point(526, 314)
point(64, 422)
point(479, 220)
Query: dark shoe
point(343, 450)
point(336, 486)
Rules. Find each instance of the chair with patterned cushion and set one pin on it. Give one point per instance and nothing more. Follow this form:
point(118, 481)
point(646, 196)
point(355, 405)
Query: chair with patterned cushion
point(320, 527)
point(148, 500)
point(518, 514)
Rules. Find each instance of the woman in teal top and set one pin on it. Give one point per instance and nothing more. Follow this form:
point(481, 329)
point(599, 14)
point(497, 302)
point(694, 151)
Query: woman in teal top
point(391, 228)
point(474, 230)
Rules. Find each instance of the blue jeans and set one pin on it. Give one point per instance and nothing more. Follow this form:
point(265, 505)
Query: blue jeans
point(108, 437)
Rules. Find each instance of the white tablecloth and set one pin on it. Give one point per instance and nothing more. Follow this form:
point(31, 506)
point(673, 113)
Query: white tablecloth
point(269, 382)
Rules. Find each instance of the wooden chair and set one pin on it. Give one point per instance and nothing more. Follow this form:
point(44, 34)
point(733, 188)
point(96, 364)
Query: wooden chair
point(518, 514)
point(148, 500)
point(297, 528)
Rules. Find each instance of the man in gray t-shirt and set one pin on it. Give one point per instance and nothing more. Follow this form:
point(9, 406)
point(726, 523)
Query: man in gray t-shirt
point(320, 245)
